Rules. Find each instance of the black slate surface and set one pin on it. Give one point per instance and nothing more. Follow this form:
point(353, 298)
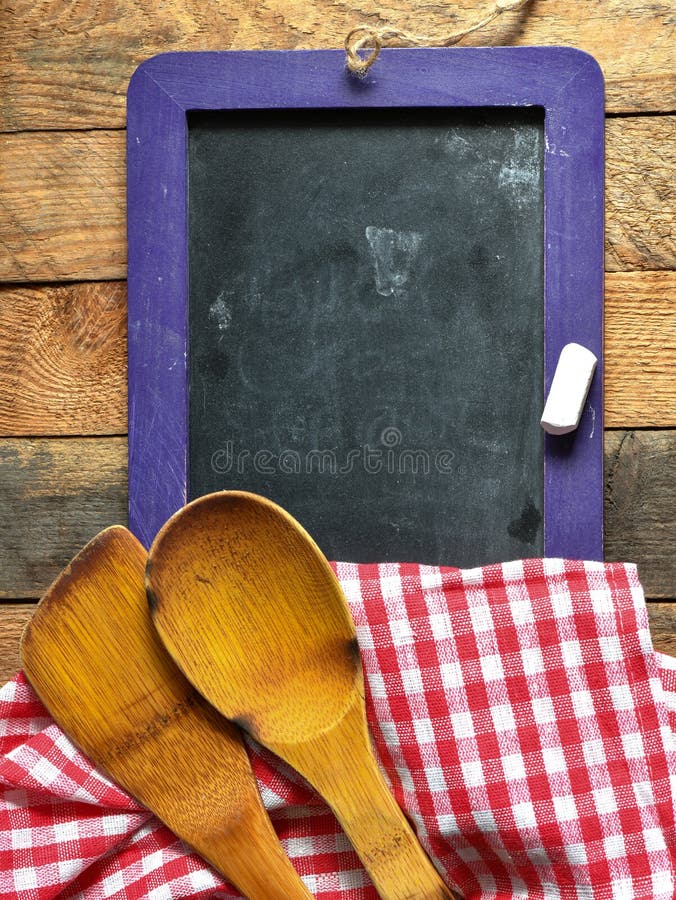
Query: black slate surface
point(366, 325)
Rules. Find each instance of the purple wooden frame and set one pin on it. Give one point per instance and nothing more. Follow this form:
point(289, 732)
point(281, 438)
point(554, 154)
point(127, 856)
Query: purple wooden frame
point(567, 83)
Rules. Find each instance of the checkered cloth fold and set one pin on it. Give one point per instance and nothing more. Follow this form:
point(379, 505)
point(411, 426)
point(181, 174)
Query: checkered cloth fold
point(524, 721)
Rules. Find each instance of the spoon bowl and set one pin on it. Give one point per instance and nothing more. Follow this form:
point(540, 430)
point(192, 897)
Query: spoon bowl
point(219, 568)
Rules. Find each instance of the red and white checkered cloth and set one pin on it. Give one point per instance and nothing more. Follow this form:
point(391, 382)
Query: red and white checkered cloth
point(525, 722)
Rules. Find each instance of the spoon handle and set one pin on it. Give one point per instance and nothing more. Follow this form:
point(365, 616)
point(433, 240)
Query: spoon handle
point(340, 764)
point(254, 861)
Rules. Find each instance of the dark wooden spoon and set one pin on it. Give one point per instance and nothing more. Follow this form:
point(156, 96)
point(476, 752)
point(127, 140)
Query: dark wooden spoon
point(94, 659)
point(251, 611)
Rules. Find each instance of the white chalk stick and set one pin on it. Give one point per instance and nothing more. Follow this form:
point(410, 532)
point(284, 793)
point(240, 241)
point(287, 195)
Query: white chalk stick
point(568, 393)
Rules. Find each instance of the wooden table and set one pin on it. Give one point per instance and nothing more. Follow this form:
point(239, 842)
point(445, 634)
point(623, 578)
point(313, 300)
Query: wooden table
point(64, 69)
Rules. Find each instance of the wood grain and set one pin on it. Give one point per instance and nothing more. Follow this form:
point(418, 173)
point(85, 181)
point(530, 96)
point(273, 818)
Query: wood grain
point(663, 626)
point(62, 202)
point(14, 615)
point(63, 356)
point(13, 620)
point(63, 359)
point(640, 505)
point(62, 206)
point(641, 193)
point(67, 65)
point(56, 494)
point(640, 350)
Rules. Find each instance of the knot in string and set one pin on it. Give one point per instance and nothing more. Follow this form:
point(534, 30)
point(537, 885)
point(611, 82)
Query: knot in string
point(364, 43)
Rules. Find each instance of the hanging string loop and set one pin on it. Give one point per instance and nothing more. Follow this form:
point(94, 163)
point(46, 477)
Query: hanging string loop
point(364, 43)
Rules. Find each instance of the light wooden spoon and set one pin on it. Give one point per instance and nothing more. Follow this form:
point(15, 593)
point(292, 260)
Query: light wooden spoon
point(94, 659)
point(250, 609)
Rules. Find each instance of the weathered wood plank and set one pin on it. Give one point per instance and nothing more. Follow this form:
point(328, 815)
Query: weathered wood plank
point(62, 206)
point(63, 356)
point(14, 616)
point(640, 350)
point(640, 193)
point(62, 202)
point(63, 359)
point(56, 494)
point(67, 65)
point(13, 620)
point(640, 505)
point(663, 626)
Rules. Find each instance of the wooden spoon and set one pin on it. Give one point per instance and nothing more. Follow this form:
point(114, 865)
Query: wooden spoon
point(94, 659)
point(251, 611)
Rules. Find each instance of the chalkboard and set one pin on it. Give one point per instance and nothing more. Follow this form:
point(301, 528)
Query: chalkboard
point(366, 325)
point(350, 295)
